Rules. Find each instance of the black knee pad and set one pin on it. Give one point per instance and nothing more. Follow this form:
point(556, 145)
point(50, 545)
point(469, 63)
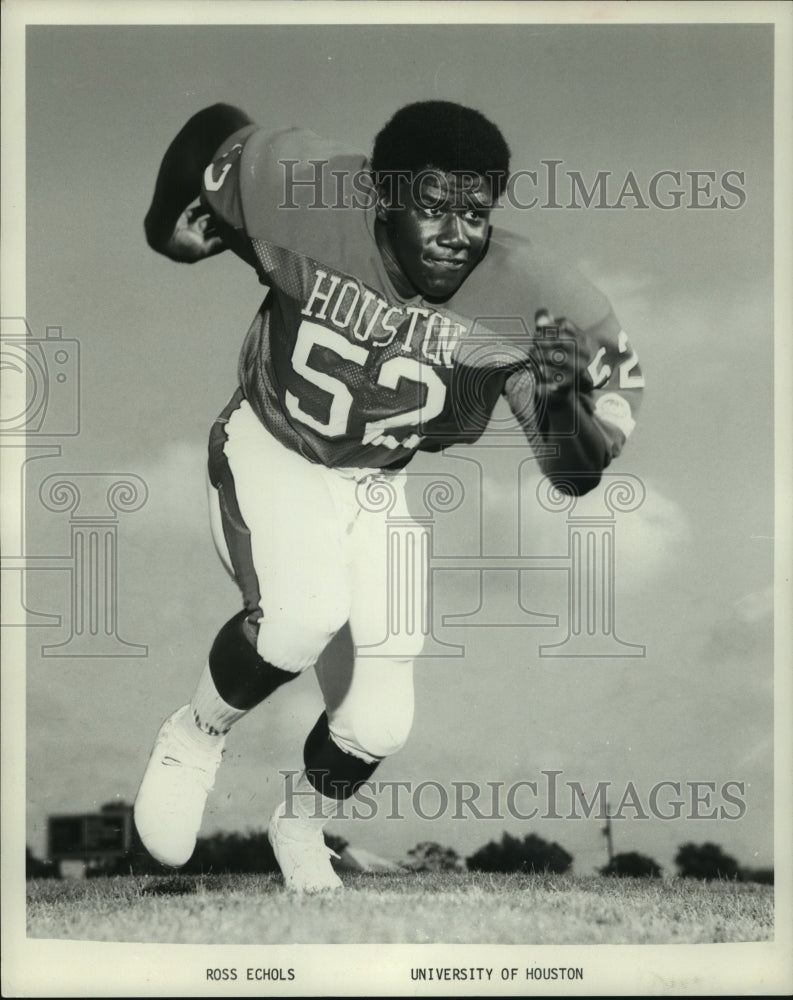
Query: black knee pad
point(241, 676)
point(332, 772)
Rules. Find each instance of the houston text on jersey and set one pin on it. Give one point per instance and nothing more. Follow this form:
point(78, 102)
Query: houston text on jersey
point(349, 306)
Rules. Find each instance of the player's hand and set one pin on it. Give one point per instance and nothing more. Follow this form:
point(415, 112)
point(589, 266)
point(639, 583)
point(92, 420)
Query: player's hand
point(561, 358)
point(194, 236)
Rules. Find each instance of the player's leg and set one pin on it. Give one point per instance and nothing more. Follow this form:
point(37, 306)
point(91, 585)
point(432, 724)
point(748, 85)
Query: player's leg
point(275, 528)
point(372, 719)
point(369, 709)
point(296, 829)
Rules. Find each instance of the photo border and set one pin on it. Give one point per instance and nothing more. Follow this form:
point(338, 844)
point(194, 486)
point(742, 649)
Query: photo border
point(34, 967)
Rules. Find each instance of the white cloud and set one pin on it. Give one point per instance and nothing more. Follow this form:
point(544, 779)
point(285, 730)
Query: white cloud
point(649, 540)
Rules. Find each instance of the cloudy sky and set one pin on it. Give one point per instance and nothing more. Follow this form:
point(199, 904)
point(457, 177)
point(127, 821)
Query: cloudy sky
point(158, 348)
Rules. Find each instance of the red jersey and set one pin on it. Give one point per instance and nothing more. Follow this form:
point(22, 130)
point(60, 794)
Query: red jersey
point(342, 369)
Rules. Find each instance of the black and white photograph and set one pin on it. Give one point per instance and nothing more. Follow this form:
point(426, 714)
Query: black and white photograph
point(396, 520)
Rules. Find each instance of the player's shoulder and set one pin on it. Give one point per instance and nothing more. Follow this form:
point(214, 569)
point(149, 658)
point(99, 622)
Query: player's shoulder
point(292, 183)
point(519, 256)
point(521, 271)
point(281, 191)
point(298, 157)
point(306, 166)
point(293, 139)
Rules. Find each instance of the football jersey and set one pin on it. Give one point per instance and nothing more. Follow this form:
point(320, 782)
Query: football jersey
point(341, 368)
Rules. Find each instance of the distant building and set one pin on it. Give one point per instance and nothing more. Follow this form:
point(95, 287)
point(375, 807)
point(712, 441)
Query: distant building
point(90, 839)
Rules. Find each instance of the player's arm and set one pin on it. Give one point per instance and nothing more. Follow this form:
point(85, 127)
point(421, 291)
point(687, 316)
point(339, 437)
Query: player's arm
point(176, 225)
point(578, 401)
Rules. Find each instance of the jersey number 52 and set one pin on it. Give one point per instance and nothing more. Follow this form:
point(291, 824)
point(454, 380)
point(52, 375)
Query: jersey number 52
point(390, 375)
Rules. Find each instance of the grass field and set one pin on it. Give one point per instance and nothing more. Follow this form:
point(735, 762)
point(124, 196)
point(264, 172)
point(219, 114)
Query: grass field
point(402, 907)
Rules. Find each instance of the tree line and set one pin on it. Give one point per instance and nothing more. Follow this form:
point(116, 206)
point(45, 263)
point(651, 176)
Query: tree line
point(251, 852)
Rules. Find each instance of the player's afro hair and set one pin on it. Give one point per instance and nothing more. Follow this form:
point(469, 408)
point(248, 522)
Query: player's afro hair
point(444, 136)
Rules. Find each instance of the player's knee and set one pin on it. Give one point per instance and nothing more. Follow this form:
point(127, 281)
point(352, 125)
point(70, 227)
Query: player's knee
point(381, 731)
point(241, 676)
point(291, 645)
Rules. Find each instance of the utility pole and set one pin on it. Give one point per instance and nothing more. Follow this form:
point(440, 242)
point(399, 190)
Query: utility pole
point(607, 834)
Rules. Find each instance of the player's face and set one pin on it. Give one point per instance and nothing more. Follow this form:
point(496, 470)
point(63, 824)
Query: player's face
point(437, 233)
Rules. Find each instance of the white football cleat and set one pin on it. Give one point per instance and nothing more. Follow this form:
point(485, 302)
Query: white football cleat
point(304, 863)
point(171, 799)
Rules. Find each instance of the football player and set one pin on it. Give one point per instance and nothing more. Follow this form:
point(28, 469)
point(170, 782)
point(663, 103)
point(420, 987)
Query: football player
point(396, 316)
